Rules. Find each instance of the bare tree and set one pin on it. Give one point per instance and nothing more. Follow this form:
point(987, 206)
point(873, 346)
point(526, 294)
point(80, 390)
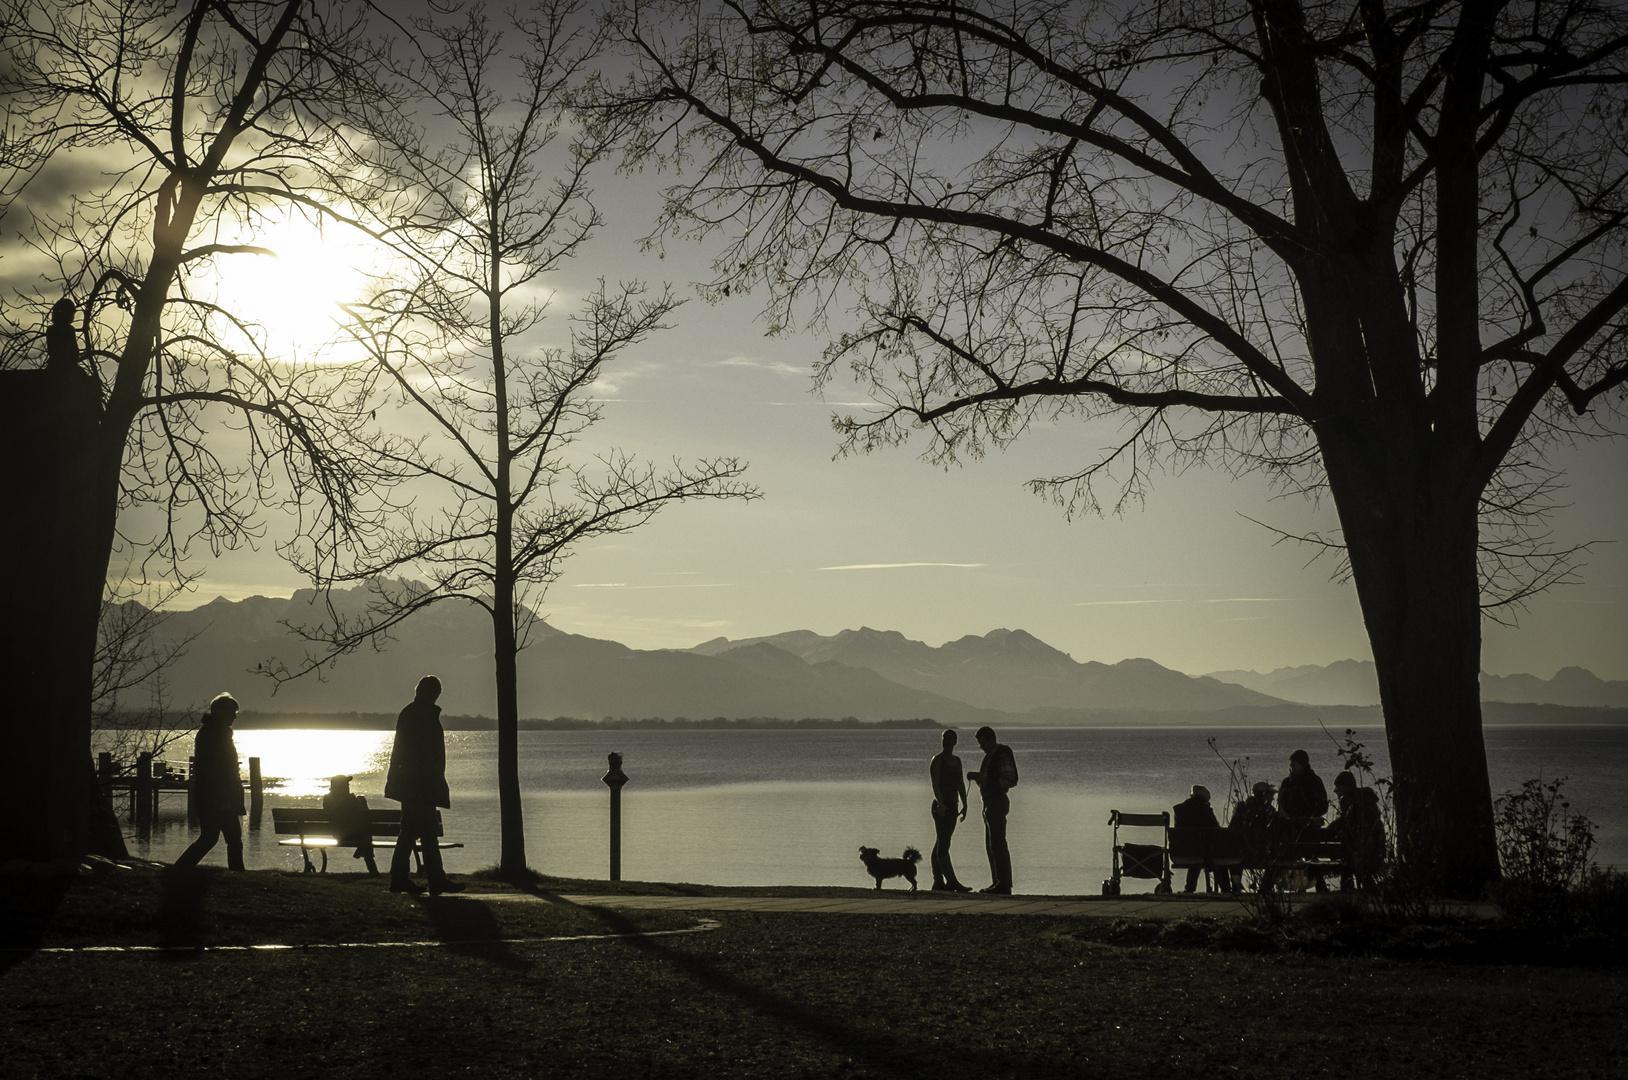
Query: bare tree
point(144, 141)
point(1374, 249)
point(462, 351)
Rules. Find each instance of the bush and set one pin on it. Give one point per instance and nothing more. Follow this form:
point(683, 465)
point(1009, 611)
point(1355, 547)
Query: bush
point(1546, 853)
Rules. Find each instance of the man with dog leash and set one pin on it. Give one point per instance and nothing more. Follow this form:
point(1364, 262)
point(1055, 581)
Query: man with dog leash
point(997, 774)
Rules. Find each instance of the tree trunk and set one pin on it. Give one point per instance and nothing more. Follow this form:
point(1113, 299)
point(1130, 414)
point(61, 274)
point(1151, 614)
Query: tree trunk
point(512, 845)
point(1411, 532)
point(49, 436)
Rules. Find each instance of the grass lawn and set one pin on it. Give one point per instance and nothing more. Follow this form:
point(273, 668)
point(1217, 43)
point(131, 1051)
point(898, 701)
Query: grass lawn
point(494, 991)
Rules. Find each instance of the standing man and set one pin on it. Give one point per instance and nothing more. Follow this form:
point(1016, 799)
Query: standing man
point(217, 786)
point(997, 774)
point(949, 792)
point(418, 780)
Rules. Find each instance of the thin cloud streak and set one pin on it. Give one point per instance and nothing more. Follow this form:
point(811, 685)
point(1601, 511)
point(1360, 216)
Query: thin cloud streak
point(1123, 603)
point(625, 585)
point(903, 565)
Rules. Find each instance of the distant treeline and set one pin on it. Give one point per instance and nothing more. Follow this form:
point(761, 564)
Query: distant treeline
point(387, 722)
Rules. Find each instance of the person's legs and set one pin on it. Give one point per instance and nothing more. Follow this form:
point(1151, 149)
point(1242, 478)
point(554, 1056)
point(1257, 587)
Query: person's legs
point(209, 832)
point(419, 825)
point(401, 862)
point(940, 844)
point(232, 830)
point(1192, 878)
point(943, 869)
point(1000, 857)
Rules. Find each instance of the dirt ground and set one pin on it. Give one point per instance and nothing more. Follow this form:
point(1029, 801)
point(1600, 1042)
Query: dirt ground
point(489, 992)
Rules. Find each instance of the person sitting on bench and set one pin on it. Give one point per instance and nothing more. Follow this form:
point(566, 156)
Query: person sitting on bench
point(347, 816)
point(1194, 813)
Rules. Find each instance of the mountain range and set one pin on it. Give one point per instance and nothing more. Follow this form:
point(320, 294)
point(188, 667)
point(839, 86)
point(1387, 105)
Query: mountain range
point(1004, 676)
point(1356, 682)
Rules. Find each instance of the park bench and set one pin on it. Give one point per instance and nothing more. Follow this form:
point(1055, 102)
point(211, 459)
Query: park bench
point(1218, 849)
point(310, 828)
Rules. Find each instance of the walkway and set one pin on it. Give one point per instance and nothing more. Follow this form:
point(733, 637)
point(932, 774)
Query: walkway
point(902, 902)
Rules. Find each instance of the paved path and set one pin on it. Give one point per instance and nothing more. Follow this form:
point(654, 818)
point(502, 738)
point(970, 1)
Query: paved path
point(902, 902)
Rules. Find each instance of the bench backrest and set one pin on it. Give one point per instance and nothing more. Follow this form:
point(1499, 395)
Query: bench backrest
point(315, 821)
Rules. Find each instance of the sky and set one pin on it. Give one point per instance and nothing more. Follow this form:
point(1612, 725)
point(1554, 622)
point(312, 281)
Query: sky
point(1192, 578)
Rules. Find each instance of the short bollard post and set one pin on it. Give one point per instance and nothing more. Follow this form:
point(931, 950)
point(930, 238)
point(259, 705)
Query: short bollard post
point(614, 779)
point(257, 796)
point(142, 793)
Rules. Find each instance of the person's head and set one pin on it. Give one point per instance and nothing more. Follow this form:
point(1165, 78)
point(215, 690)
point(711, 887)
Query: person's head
point(223, 708)
point(1299, 760)
point(339, 784)
point(1201, 792)
point(1263, 790)
point(986, 738)
point(948, 739)
point(429, 688)
point(62, 312)
point(1345, 781)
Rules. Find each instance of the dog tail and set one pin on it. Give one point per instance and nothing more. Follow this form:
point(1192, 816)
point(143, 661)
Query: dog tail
point(912, 855)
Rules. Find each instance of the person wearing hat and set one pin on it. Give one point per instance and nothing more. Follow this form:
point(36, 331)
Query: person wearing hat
point(217, 786)
point(1360, 829)
point(1253, 817)
point(1194, 813)
point(348, 817)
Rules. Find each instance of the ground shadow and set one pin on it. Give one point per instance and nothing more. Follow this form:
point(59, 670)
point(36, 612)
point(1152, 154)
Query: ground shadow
point(28, 903)
point(469, 927)
point(890, 1053)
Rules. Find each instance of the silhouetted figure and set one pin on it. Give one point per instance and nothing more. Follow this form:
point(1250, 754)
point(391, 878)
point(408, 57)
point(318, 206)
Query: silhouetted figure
point(348, 817)
point(997, 774)
point(1253, 817)
point(1302, 802)
point(1194, 813)
point(61, 342)
point(217, 786)
point(949, 792)
point(1360, 829)
point(418, 780)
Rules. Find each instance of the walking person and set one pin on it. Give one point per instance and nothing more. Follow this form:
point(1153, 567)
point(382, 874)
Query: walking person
point(949, 791)
point(418, 780)
point(997, 774)
point(217, 786)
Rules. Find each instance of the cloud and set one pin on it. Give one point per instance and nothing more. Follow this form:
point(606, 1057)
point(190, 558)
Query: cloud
point(1247, 600)
point(625, 585)
point(777, 367)
point(1123, 603)
point(902, 565)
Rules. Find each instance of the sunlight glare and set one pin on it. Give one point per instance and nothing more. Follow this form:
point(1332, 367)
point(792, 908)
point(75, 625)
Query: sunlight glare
point(295, 294)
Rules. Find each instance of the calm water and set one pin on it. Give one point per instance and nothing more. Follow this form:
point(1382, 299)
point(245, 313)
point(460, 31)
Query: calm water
point(792, 807)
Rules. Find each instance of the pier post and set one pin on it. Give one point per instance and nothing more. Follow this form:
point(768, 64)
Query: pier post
point(257, 796)
point(142, 793)
point(614, 778)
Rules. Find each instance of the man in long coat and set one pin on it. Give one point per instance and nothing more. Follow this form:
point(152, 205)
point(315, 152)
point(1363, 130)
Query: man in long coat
point(418, 780)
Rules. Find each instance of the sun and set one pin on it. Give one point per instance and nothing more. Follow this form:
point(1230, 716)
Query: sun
point(294, 295)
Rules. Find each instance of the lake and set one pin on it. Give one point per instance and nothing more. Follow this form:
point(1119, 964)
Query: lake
point(791, 807)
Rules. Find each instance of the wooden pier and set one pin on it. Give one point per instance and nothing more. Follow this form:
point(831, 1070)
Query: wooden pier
point(154, 779)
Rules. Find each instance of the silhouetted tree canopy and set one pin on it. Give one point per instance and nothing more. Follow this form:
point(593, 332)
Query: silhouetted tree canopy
point(1376, 249)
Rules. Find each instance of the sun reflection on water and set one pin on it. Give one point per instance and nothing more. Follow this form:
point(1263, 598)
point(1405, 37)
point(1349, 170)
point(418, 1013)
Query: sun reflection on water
point(298, 762)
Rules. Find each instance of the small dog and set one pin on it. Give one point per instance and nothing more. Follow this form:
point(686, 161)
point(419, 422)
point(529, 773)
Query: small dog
point(881, 869)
